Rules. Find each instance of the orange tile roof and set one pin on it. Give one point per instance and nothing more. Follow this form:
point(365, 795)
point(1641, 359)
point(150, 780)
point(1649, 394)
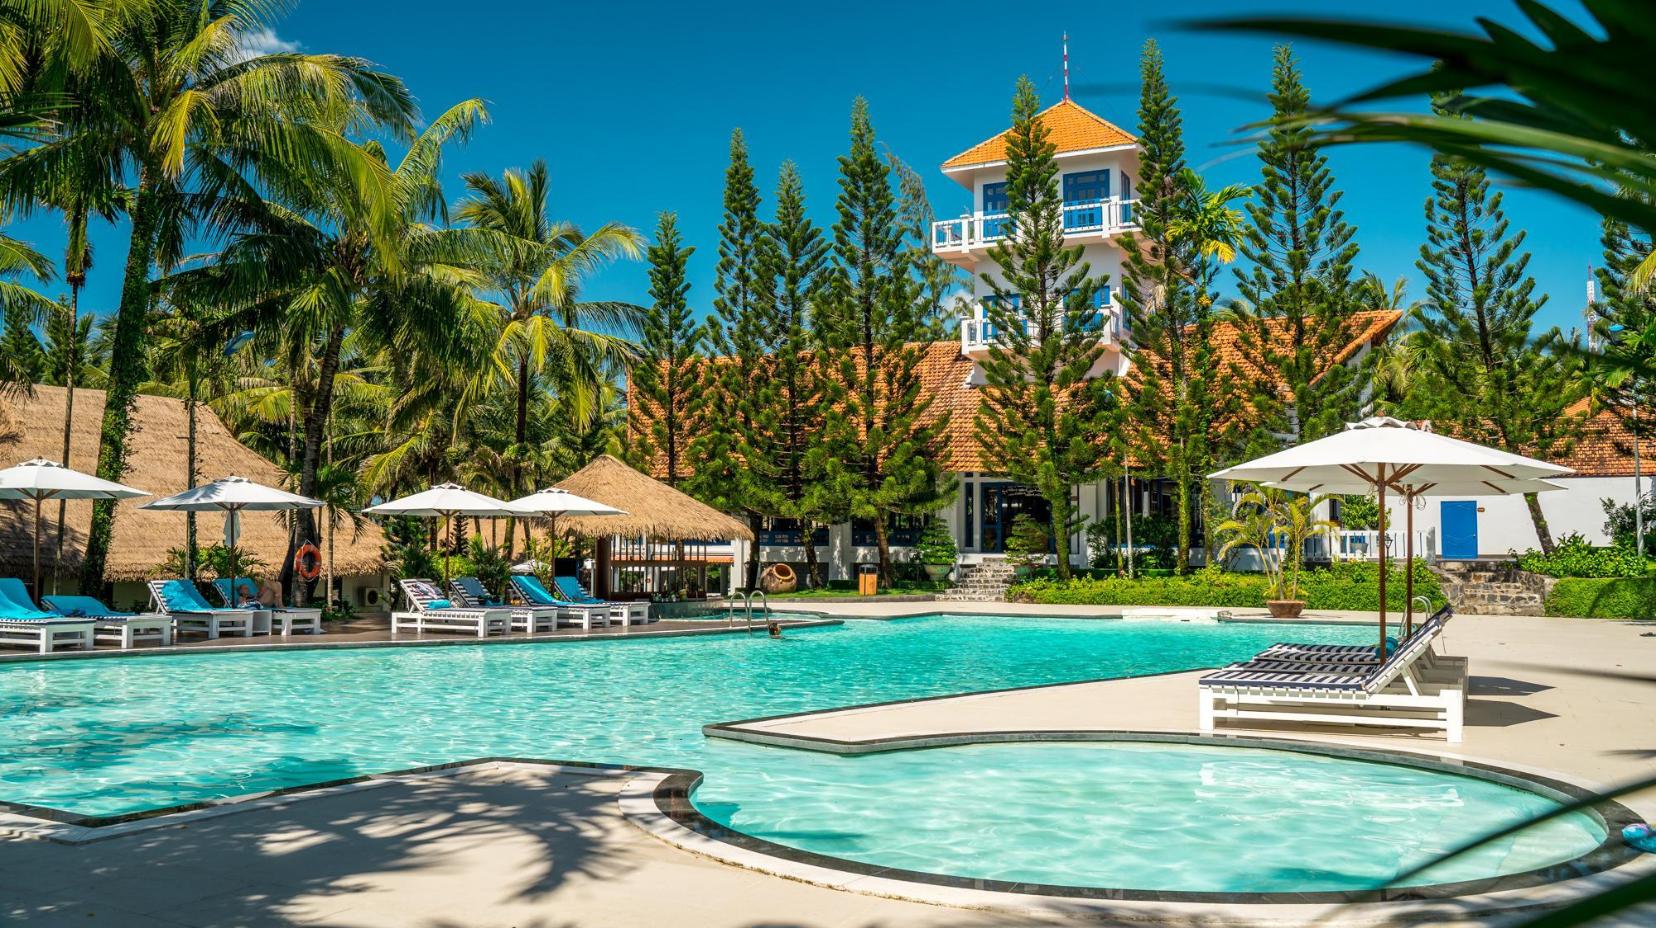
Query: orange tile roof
point(1370, 326)
point(944, 372)
point(1605, 448)
point(1071, 126)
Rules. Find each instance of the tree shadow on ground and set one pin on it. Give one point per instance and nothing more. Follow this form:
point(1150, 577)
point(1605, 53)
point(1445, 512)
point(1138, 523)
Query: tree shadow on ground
point(275, 865)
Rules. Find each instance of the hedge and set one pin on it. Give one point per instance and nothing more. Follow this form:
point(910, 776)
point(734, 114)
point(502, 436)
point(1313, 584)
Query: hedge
point(1581, 597)
point(1346, 585)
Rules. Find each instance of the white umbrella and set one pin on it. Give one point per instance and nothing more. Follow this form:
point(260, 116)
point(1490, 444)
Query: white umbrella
point(1381, 453)
point(41, 480)
point(445, 501)
point(233, 496)
point(555, 501)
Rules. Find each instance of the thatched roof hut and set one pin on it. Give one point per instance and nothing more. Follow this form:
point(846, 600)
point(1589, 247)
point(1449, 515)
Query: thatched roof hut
point(653, 509)
point(155, 462)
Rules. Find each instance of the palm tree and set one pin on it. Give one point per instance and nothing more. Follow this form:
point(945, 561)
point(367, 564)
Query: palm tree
point(1536, 115)
point(341, 496)
point(338, 261)
point(1277, 525)
point(20, 301)
point(170, 100)
point(543, 331)
point(1210, 225)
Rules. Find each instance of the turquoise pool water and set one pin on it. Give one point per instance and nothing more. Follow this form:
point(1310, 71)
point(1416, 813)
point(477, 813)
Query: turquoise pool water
point(1190, 818)
point(112, 736)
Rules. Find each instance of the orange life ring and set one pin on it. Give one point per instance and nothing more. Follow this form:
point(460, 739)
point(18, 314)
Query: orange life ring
point(307, 562)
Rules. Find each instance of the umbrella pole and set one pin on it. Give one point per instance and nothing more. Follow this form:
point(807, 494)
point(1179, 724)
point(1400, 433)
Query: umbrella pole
point(37, 547)
point(1381, 485)
point(1408, 566)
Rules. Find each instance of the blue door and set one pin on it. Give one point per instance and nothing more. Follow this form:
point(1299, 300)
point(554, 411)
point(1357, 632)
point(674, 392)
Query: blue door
point(1084, 196)
point(995, 203)
point(1460, 530)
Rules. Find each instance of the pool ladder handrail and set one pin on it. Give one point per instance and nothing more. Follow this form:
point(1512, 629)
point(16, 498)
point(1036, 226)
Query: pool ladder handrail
point(747, 605)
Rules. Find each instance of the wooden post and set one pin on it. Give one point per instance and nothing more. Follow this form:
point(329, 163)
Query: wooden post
point(601, 569)
point(1381, 493)
point(1408, 566)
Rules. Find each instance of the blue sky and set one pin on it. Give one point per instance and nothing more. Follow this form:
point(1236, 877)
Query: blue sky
point(632, 104)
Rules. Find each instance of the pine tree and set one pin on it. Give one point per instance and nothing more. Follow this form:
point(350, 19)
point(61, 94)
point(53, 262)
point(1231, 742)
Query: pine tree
point(938, 278)
point(726, 466)
point(1482, 373)
point(792, 397)
point(1627, 317)
point(885, 447)
point(1301, 283)
point(1178, 393)
point(665, 377)
point(1041, 411)
point(25, 360)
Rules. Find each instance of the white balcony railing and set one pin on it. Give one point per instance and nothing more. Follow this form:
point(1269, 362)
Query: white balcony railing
point(1091, 217)
point(1364, 545)
point(978, 333)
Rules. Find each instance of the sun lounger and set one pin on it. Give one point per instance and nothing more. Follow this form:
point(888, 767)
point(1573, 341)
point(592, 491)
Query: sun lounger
point(180, 600)
point(275, 618)
point(532, 592)
point(629, 611)
point(432, 613)
point(1402, 692)
point(112, 627)
point(24, 623)
point(1350, 653)
point(469, 592)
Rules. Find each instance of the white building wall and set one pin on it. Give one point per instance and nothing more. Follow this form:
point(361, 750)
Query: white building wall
point(1504, 525)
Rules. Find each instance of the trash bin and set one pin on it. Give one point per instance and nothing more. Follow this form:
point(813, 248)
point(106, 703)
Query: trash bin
point(868, 579)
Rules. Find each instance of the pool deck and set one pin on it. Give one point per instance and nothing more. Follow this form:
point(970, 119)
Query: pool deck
point(536, 846)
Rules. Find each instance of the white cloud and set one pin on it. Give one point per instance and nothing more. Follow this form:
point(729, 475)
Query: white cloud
point(264, 41)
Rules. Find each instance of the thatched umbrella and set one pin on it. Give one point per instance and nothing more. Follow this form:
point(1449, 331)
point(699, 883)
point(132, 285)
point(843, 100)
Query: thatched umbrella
point(39, 480)
point(653, 510)
point(141, 540)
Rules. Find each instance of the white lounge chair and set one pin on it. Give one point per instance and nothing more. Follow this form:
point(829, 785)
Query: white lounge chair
point(630, 612)
point(432, 613)
point(125, 629)
point(531, 592)
point(272, 618)
point(180, 601)
point(469, 592)
point(1402, 692)
point(24, 623)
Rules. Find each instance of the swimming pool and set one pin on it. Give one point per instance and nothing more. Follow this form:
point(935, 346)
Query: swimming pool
point(107, 737)
point(1187, 818)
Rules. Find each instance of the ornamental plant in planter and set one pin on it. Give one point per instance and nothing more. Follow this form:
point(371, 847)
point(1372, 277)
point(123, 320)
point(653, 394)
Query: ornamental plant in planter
point(936, 550)
point(1276, 524)
point(1026, 546)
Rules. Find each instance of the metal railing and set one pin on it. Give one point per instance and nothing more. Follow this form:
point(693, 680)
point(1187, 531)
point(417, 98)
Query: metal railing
point(1081, 218)
point(978, 333)
point(747, 608)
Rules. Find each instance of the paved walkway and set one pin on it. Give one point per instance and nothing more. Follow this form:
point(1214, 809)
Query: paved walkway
point(536, 848)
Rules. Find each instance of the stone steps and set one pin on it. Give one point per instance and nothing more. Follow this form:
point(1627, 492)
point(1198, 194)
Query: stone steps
point(984, 582)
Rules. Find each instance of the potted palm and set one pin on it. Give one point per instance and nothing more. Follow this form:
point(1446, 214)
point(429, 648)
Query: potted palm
point(936, 550)
point(1026, 546)
point(1275, 524)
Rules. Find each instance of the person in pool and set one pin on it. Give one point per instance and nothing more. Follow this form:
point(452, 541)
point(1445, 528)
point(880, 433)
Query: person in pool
point(774, 628)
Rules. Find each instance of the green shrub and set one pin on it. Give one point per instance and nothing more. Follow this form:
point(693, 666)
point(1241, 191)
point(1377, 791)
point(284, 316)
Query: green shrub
point(1603, 598)
point(1572, 556)
point(936, 546)
point(1346, 585)
point(1208, 587)
point(1356, 585)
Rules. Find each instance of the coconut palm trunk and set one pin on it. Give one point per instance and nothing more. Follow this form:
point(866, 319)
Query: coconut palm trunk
point(126, 372)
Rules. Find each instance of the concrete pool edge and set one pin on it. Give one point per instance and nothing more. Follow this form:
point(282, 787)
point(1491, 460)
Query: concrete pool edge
point(661, 805)
point(286, 646)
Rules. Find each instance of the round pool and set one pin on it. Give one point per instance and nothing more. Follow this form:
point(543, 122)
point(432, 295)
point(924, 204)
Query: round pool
point(1151, 816)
